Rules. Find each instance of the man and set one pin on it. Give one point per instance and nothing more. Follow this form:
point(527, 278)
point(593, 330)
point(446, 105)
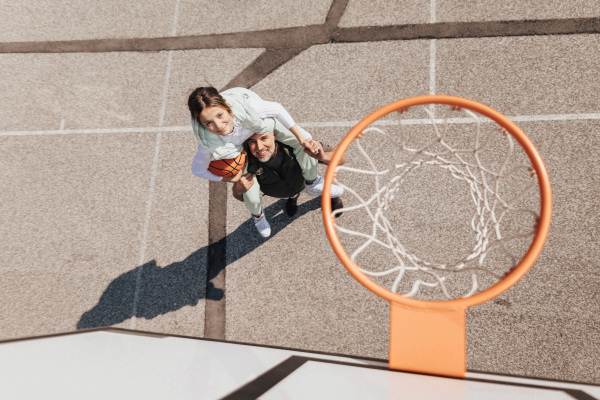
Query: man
point(278, 174)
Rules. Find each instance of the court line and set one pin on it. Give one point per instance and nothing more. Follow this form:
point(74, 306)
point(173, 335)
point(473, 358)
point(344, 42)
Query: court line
point(175, 18)
point(144, 244)
point(432, 54)
point(323, 124)
point(274, 56)
point(432, 49)
point(316, 34)
point(154, 173)
point(463, 30)
point(517, 118)
point(146, 129)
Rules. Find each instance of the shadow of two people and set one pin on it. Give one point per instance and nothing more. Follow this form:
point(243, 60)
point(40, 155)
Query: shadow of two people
point(149, 290)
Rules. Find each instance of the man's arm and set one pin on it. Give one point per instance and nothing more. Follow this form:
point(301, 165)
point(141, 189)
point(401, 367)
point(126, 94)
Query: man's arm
point(324, 154)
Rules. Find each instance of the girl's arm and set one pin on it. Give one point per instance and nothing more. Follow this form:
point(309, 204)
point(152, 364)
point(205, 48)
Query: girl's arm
point(200, 165)
point(311, 146)
point(267, 109)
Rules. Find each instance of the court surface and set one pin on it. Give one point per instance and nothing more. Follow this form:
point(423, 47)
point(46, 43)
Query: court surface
point(103, 225)
point(120, 364)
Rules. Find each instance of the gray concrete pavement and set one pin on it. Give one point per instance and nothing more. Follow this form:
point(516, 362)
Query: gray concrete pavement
point(87, 91)
point(69, 226)
point(522, 75)
point(385, 72)
point(489, 10)
point(102, 222)
point(385, 12)
point(68, 20)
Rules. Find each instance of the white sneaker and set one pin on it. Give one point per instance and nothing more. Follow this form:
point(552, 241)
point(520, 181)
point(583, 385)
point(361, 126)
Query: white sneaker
point(316, 188)
point(262, 224)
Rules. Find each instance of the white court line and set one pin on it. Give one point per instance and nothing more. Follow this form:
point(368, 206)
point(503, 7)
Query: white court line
point(518, 118)
point(329, 124)
point(432, 51)
point(163, 107)
point(155, 164)
point(161, 120)
point(175, 17)
point(148, 129)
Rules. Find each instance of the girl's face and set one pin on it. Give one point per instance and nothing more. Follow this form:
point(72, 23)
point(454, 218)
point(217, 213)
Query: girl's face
point(217, 120)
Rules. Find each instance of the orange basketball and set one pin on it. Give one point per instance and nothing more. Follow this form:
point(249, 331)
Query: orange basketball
point(228, 167)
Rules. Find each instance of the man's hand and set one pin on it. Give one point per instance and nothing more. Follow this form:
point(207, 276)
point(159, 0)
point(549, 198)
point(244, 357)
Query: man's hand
point(245, 182)
point(325, 156)
point(242, 185)
point(313, 148)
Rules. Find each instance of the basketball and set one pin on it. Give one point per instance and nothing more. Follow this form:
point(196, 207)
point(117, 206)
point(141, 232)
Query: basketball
point(228, 167)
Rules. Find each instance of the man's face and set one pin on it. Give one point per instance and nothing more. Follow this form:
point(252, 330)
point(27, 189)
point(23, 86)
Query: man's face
point(262, 146)
point(217, 120)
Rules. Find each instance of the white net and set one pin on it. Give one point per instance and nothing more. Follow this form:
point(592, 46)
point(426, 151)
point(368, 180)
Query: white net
point(437, 208)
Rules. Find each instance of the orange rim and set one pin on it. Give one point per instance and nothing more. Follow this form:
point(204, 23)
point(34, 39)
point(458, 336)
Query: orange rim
point(511, 278)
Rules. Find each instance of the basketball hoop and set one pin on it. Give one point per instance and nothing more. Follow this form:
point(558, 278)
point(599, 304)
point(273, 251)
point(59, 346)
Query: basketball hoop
point(451, 148)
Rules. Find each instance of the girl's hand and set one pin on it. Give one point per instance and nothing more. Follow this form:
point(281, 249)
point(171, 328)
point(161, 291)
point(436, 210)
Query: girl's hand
point(313, 148)
point(234, 178)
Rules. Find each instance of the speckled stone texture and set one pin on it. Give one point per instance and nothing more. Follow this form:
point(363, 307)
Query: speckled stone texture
point(102, 222)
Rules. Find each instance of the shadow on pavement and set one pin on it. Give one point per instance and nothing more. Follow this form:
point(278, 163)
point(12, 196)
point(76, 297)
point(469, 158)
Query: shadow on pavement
point(149, 290)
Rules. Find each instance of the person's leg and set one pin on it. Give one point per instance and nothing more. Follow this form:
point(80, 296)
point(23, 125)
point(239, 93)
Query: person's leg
point(291, 205)
point(306, 162)
point(252, 197)
point(253, 202)
point(336, 204)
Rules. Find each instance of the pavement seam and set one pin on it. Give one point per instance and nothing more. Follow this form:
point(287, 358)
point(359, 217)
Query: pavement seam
point(280, 49)
point(306, 36)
